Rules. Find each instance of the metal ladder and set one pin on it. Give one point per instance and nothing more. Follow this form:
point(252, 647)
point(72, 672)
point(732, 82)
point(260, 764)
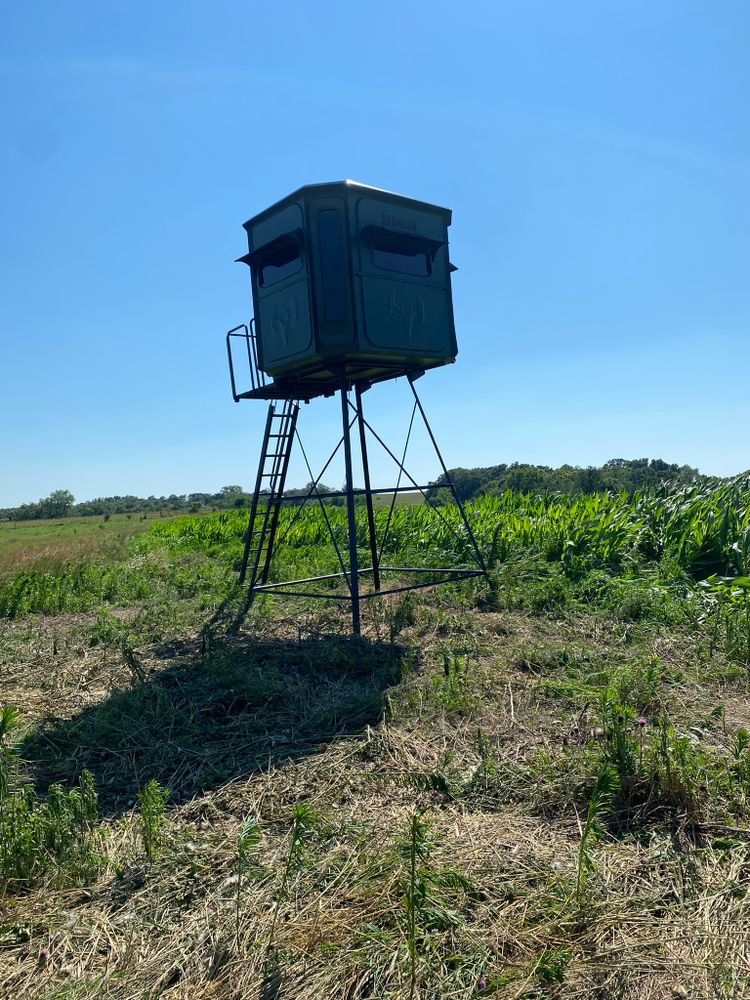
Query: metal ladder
point(269, 490)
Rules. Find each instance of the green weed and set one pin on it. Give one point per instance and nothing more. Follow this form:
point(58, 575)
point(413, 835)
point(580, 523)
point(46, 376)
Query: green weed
point(248, 840)
point(50, 839)
point(426, 905)
point(152, 802)
point(599, 804)
point(452, 690)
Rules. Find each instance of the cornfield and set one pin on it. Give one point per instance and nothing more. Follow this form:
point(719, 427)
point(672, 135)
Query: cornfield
point(705, 529)
point(702, 530)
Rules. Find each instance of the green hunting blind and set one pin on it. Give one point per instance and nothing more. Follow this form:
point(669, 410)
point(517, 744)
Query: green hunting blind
point(351, 286)
point(346, 274)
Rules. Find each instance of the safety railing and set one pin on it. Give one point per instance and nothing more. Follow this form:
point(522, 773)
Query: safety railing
point(246, 334)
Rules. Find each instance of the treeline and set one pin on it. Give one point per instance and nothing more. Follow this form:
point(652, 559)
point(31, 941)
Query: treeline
point(616, 476)
point(61, 503)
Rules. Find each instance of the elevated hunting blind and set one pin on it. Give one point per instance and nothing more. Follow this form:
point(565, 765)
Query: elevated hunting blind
point(348, 275)
point(351, 286)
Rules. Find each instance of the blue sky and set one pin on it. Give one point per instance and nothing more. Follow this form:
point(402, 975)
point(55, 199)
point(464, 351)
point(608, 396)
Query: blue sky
point(596, 156)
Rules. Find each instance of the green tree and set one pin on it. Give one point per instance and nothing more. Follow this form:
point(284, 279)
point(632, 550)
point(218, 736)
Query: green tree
point(229, 493)
point(57, 504)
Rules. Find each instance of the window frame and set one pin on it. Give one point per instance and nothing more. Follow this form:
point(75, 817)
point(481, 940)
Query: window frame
point(265, 255)
point(396, 244)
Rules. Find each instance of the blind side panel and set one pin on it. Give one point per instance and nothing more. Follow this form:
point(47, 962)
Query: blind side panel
point(404, 281)
point(282, 291)
point(285, 324)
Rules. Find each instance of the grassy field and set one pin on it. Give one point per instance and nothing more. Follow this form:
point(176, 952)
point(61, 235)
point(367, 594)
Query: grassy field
point(51, 543)
point(532, 786)
point(407, 499)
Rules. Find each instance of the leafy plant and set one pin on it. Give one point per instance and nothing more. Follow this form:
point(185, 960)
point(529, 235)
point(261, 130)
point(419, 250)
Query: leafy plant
point(730, 599)
point(47, 839)
point(600, 804)
point(452, 689)
point(552, 964)
point(152, 800)
point(426, 908)
point(416, 849)
point(401, 615)
point(304, 823)
point(247, 844)
point(620, 746)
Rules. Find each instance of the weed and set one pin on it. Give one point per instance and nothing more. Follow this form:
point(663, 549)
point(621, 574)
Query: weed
point(50, 839)
point(552, 965)
point(549, 595)
point(600, 803)
point(152, 801)
point(729, 601)
point(452, 690)
point(106, 630)
point(425, 905)
point(304, 823)
point(542, 659)
point(400, 615)
point(638, 683)
point(248, 839)
point(417, 849)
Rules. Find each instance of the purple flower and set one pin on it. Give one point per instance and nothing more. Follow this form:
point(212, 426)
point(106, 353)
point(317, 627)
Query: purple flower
point(482, 984)
point(641, 722)
point(44, 956)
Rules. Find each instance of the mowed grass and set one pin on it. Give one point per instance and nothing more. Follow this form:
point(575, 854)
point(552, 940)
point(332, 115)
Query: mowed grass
point(533, 786)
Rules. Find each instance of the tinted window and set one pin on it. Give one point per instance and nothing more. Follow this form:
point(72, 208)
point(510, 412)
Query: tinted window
point(394, 252)
point(279, 264)
point(332, 266)
point(404, 263)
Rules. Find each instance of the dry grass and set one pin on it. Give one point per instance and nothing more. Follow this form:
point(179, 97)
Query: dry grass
point(365, 735)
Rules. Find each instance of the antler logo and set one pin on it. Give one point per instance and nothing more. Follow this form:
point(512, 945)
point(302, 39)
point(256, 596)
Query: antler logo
point(409, 313)
point(285, 321)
